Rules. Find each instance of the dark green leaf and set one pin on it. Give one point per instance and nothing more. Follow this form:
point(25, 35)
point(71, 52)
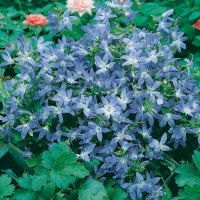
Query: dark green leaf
point(196, 41)
point(189, 31)
point(168, 194)
point(59, 196)
point(3, 150)
point(92, 189)
point(193, 192)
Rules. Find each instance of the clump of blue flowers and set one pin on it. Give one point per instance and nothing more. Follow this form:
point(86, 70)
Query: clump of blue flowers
point(118, 95)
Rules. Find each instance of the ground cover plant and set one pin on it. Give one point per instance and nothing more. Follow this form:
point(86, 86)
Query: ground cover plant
point(187, 15)
point(110, 114)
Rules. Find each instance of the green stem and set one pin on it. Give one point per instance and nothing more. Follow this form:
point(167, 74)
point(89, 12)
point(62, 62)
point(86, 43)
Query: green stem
point(171, 160)
point(20, 5)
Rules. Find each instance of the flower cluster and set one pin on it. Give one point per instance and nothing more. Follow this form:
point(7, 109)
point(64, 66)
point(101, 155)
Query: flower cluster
point(117, 95)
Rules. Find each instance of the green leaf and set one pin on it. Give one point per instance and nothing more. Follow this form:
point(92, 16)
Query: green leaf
point(187, 175)
point(90, 165)
point(10, 173)
point(92, 189)
point(168, 194)
point(50, 157)
point(16, 154)
point(140, 20)
point(3, 151)
point(25, 181)
point(189, 31)
point(73, 195)
point(76, 169)
point(194, 15)
point(48, 191)
point(118, 194)
point(196, 41)
point(39, 181)
point(60, 178)
point(15, 35)
point(6, 188)
point(193, 193)
point(59, 196)
point(3, 36)
point(149, 9)
point(31, 162)
point(34, 183)
point(114, 191)
point(196, 159)
point(63, 165)
point(23, 194)
point(186, 11)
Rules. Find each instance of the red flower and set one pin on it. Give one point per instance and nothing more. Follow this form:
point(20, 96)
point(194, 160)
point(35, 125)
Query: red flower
point(197, 25)
point(35, 20)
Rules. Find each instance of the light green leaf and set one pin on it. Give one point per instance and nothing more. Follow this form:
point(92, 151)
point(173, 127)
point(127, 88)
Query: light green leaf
point(50, 157)
point(25, 181)
point(31, 162)
point(118, 194)
point(149, 9)
point(91, 190)
point(60, 178)
point(194, 15)
point(3, 36)
point(193, 193)
point(186, 11)
point(76, 169)
point(6, 189)
point(10, 173)
point(196, 159)
point(140, 20)
point(187, 175)
point(39, 181)
point(23, 194)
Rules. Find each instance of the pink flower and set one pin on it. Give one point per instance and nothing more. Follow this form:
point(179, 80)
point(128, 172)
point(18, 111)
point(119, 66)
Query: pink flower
point(197, 25)
point(122, 1)
point(80, 6)
point(35, 20)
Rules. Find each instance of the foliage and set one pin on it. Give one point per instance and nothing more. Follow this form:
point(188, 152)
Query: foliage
point(186, 14)
point(189, 179)
point(56, 176)
point(114, 97)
